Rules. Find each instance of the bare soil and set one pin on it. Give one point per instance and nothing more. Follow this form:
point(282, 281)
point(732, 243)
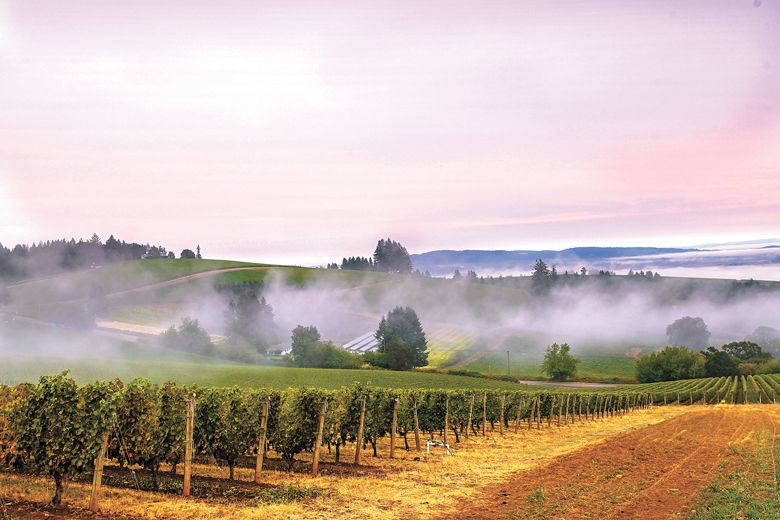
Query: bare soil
point(656, 472)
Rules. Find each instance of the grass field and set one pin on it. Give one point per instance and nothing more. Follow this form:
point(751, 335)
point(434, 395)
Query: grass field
point(223, 374)
point(616, 368)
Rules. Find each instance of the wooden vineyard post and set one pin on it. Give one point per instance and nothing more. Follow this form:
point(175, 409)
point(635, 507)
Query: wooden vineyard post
point(446, 417)
point(416, 424)
point(691, 397)
point(261, 440)
point(579, 413)
point(471, 412)
point(188, 445)
point(678, 398)
point(361, 428)
point(519, 413)
point(315, 464)
point(484, 414)
point(393, 428)
point(566, 410)
point(97, 475)
point(560, 410)
point(501, 416)
point(551, 411)
point(531, 415)
point(538, 412)
point(664, 398)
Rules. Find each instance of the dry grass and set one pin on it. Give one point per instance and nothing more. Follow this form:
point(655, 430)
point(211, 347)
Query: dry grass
point(397, 488)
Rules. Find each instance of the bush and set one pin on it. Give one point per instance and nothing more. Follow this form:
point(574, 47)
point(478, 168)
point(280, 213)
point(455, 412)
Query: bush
point(719, 363)
point(669, 364)
point(770, 367)
point(189, 337)
point(309, 351)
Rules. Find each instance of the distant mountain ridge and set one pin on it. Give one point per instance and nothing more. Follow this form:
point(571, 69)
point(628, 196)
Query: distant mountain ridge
point(445, 262)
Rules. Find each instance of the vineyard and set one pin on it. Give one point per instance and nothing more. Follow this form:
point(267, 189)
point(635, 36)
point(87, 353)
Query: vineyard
point(66, 431)
point(757, 389)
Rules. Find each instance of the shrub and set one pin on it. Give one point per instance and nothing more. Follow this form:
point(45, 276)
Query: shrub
point(669, 364)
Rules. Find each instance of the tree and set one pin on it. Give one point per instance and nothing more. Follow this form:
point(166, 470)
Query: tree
point(306, 347)
point(746, 351)
point(540, 278)
point(558, 363)
point(197, 252)
point(250, 319)
point(718, 363)
point(391, 257)
point(669, 364)
point(402, 323)
point(767, 338)
point(397, 355)
point(187, 253)
point(689, 332)
point(171, 255)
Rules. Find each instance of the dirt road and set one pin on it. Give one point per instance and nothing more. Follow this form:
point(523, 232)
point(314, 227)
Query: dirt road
point(656, 472)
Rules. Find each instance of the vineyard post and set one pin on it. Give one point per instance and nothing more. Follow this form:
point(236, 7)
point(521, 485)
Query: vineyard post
point(691, 396)
point(361, 428)
point(551, 411)
point(501, 417)
point(446, 417)
point(664, 397)
point(393, 428)
point(531, 415)
point(678, 398)
point(97, 475)
point(471, 412)
point(315, 465)
point(560, 409)
point(188, 445)
point(484, 414)
point(519, 412)
point(261, 440)
point(579, 413)
point(416, 425)
point(539, 412)
point(566, 413)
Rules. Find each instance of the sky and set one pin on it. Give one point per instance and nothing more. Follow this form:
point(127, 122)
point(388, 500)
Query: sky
point(301, 132)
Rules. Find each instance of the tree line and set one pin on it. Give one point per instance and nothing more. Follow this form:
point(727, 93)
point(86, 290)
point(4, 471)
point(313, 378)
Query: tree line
point(53, 256)
point(389, 257)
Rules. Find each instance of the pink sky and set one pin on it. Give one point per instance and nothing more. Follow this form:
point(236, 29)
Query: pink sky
point(302, 132)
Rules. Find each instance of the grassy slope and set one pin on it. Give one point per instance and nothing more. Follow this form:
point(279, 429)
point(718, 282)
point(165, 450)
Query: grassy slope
point(115, 277)
point(152, 306)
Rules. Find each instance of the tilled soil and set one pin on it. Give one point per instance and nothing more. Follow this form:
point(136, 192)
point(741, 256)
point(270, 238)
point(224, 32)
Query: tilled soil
point(656, 472)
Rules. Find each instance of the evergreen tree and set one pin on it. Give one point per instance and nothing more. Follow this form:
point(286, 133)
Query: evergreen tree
point(398, 332)
point(540, 279)
point(391, 257)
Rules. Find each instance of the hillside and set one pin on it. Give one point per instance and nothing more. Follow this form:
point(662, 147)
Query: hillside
point(469, 325)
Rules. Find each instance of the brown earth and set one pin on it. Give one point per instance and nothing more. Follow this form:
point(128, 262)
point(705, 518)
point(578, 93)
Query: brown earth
point(656, 472)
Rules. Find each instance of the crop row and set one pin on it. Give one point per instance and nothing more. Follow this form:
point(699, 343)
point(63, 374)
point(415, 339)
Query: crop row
point(758, 389)
point(58, 428)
